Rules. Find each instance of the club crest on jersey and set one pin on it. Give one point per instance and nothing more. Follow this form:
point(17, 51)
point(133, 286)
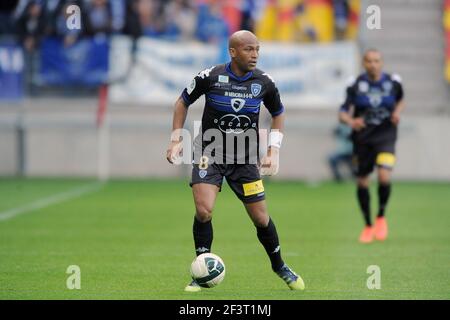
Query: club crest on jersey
point(237, 104)
point(375, 98)
point(256, 89)
point(387, 86)
point(202, 173)
point(363, 86)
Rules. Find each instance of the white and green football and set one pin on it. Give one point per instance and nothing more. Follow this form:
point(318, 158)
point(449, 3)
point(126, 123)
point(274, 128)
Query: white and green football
point(208, 270)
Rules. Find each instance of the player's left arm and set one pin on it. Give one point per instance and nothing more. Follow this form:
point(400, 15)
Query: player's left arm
point(399, 107)
point(271, 161)
point(400, 102)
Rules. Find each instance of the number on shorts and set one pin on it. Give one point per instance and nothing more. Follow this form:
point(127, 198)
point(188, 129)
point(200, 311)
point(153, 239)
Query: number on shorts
point(203, 163)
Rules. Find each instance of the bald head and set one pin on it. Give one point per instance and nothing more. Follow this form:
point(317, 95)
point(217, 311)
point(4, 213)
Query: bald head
point(244, 51)
point(241, 37)
point(372, 51)
point(373, 63)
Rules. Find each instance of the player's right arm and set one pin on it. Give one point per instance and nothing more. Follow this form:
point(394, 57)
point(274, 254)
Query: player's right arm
point(198, 86)
point(354, 123)
point(345, 115)
point(179, 117)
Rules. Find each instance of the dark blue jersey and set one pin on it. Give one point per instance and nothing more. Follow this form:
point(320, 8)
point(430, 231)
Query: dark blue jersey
point(374, 101)
point(232, 103)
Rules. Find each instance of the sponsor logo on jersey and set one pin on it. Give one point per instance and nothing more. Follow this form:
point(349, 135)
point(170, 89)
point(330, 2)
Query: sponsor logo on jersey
point(238, 95)
point(237, 104)
point(256, 89)
point(223, 79)
point(223, 86)
point(231, 123)
point(242, 88)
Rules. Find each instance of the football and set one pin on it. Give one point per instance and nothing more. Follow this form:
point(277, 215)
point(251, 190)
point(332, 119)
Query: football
point(208, 270)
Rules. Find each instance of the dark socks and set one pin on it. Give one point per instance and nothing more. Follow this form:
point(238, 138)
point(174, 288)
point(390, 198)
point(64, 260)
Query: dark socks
point(203, 236)
point(384, 191)
point(269, 239)
point(364, 203)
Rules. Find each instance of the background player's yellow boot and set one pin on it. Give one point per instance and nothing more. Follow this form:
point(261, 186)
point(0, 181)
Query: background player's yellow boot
point(293, 280)
point(192, 287)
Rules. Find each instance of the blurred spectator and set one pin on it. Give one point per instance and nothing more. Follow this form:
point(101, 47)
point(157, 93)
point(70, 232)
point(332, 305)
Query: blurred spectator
point(181, 20)
point(232, 14)
point(211, 27)
point(52, 6)
point(342, 155)
point(6, 17)
point(249, 12)
point(118, 10)
point(98, 17)
point(132, 25)
point(204, 20)
point(341, 18)
point(145, 19)
point(299, 20)
point(6, 24)
point(305, 30)
point(68, 36)
point(31, 25)
point(56, 20)
point(52, 10)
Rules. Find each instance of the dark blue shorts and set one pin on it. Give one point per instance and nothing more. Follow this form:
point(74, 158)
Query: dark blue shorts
point(244, 179)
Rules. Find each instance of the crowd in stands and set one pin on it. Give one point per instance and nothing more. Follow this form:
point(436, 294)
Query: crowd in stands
point(178, 20)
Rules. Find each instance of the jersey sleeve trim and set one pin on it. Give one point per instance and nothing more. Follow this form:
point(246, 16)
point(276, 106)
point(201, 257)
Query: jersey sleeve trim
point(185, 98)
point(344, 108)
point(278, 112)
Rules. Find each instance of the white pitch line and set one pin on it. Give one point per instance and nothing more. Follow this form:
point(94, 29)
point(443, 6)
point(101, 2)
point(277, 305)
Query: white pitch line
point(46, 202)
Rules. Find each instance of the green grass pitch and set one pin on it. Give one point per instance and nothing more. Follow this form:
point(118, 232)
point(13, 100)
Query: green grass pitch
point(132, 239)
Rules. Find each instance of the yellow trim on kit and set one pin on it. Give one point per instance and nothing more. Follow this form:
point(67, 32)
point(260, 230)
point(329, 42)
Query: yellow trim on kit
point(252, 188)
point(386, 159)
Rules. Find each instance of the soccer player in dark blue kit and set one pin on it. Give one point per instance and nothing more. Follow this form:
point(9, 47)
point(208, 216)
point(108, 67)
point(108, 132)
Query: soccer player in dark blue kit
point(372, 109)
point(234, 93)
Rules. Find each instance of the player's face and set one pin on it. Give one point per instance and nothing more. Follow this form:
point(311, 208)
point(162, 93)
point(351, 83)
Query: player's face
point(373, 63)
point(246, 55)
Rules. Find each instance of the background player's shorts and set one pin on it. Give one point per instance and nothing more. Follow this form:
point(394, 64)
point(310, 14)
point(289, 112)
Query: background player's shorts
point(366, 156)
point(244, 179)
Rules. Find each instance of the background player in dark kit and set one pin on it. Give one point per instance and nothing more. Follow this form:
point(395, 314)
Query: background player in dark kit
point(234, 93)
point(372, 108)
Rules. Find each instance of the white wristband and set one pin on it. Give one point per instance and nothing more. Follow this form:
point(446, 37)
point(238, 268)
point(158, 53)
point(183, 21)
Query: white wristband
point(275, 138)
